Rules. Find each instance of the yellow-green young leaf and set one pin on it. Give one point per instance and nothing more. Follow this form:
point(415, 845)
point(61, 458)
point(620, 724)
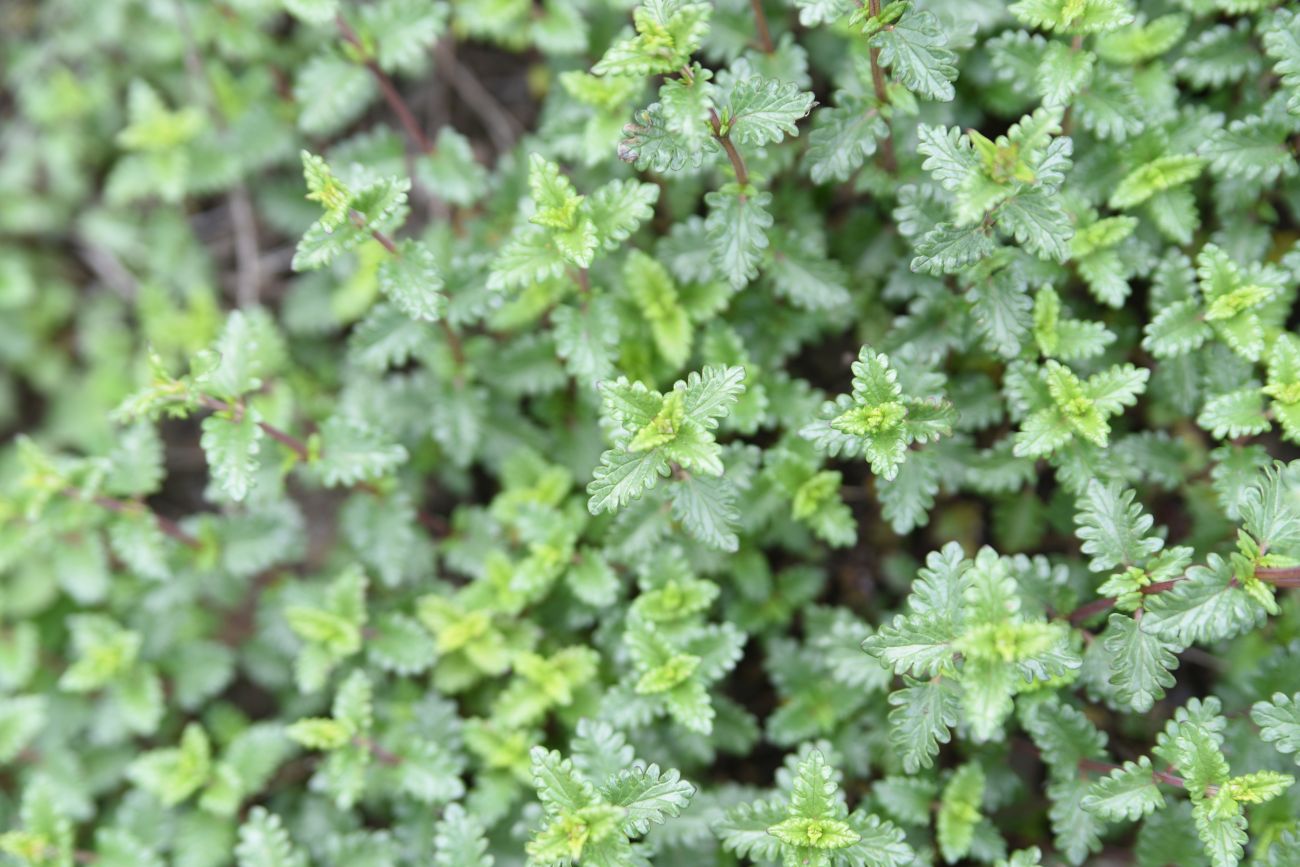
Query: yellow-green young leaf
point(1162, 173)
point(330, 630)
point(959, 811)
point(1073, 16)
point(173, 774)
point(1142, 41)
point(654, 292)
point(667, 33)
point(664, 677)
point(1258, 787)
point(104, 650)
point(320, 733)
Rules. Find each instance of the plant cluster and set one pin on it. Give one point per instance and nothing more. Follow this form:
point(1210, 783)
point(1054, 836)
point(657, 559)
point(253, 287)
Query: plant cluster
point(598, 433)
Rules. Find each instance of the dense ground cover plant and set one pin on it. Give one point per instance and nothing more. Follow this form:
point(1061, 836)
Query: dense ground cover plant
point(582, 432)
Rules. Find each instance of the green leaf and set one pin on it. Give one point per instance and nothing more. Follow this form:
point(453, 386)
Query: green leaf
point(959, 811)
point(333, 92)
point(915, 50)
point(248, 349)
point(1141, 663)
point(619, 208)
point(764, 111)
point(1254, 149)
point(1282, 43)
point(707, 510)
point(21, 719)
point(648, 143)
point(104, 650)
point(709, 395)
point(1126, 793)
point(623, 477)
point(1278, 720)
point(459, 840)
point(352, 451)
point(312, 11)
point(403, 32)
point(649, 796)
point(667, 33)
point(1223, 835)
point(527, 258)
point(320, 733)
point(174, 774)
point(744, 829)
point(231, 446)
point(263, 842)
point(842, 139)
point(1073, 16)
point(1114, 529)
point(653, 290)
point(1161, 174)
point(1206, 606)
point(924, 714)
point(1176, 329)
point(810, 282)
point(1235, 414)
point(737, 227)
point(947, 249)
point(558, 785)
point(413, 282)
point(1038, 222)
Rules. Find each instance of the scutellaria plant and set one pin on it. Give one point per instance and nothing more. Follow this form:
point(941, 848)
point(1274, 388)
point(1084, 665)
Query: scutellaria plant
point(591, 433)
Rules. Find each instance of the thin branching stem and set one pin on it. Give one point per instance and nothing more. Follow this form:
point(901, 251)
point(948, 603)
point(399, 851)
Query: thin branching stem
point(1277, 577)
point(391, 94)
point(1096, 767)
point(134, 507)
point(887, 157)
point(724, 139)
point(288, 440)
point(760, 23)
point(454, 342)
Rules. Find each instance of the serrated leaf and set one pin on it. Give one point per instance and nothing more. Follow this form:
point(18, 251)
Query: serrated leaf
point(924, 714)
point(413, 282)
point(915, 50)
point(352, 451)
point(1114, 529)
point(1279, 722)
point(959, 811)
point(842, 139)
point(1126, 793)
point(737, 227)
point(264, 842)
point(764, 111)
point(231, 446)
point(1141, 663)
